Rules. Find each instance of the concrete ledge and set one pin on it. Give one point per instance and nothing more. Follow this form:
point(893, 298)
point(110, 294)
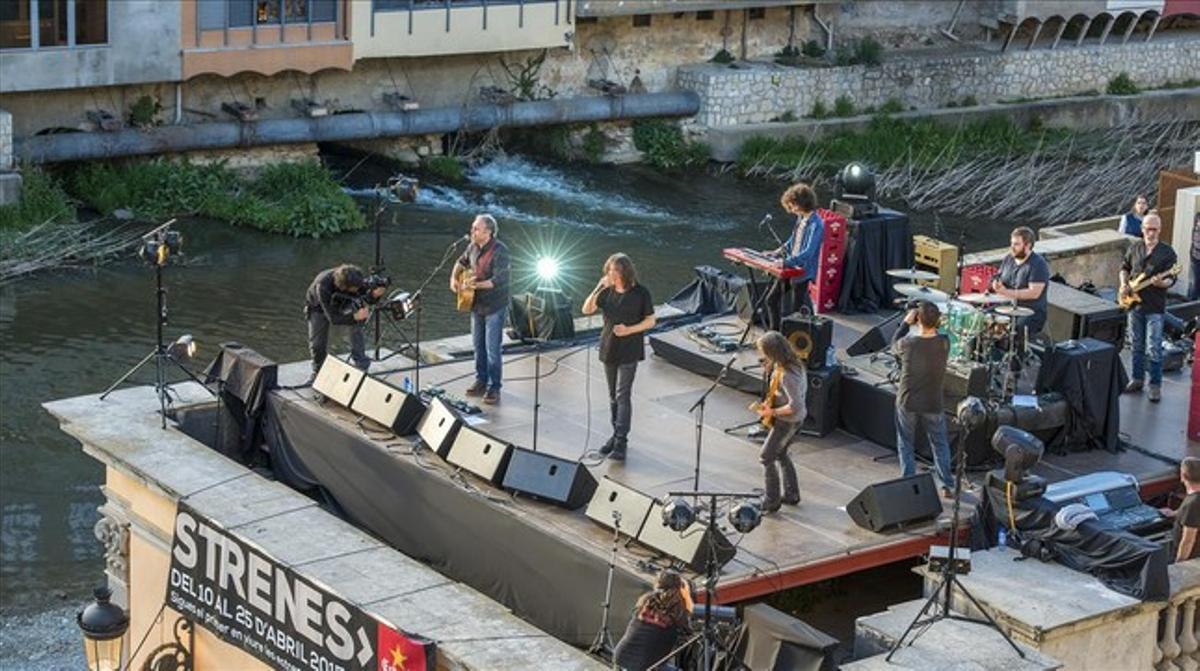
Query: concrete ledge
point(1078, 112)
point(10, 188)
point(1093, 256)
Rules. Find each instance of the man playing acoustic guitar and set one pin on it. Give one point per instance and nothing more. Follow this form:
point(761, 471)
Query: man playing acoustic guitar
point(1145, 258)
point(487, 259)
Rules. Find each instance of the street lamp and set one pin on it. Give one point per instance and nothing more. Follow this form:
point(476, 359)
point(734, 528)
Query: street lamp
point(104, 625)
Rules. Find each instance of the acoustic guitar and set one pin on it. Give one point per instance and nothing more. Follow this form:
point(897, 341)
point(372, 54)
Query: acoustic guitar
point(1142, 281)
point(465, 295)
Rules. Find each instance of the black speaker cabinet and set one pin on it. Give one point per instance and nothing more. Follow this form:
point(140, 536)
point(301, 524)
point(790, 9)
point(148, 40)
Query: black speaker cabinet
point(1073, 314)
point(876, 339)
point(560, 481)
point(439, 427)
point(691, 546)
point(484, 455)
point(388, 405)
point(823, 400)
point(630, 506)
point(811, 335)
point(338, 381)
point(886, 505)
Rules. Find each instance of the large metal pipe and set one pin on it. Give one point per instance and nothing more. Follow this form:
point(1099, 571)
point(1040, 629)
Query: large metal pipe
point(353, 126)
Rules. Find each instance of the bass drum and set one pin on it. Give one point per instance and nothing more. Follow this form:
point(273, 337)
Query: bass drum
point(963, 323)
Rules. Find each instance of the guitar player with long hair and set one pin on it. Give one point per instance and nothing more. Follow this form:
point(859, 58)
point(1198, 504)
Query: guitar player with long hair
point(1145, 277)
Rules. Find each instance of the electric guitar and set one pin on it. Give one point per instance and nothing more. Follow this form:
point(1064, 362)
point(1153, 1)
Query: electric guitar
point(769, 399)
point(1128, 301)
point(466, 287)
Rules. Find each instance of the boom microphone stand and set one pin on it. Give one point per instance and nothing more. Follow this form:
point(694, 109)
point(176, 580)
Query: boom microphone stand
point(603, 643)
point(939, 601)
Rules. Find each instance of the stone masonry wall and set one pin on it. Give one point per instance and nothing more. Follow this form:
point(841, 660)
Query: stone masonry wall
point(759, 92)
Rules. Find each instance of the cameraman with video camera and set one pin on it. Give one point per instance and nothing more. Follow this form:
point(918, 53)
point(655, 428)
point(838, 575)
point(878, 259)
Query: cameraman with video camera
point(340, 296)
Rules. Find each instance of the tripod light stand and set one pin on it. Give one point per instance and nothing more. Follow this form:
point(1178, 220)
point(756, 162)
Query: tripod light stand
point(157, 248)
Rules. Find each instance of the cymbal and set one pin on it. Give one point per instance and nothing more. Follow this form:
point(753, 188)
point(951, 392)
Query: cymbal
point(983, 299)
point(923, 293)
point(912, 275)
point(1013, 311)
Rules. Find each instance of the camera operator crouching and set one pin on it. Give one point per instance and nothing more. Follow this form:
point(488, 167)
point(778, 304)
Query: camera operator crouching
point(340, 296)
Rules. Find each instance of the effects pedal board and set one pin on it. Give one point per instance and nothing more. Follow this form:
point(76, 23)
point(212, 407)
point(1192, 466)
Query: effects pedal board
point(708, 337)
point(431, 392)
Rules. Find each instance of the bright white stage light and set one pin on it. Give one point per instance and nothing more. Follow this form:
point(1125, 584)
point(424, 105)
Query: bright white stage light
point(547, 268)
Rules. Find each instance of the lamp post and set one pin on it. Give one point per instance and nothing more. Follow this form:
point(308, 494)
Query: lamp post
point(103, 625)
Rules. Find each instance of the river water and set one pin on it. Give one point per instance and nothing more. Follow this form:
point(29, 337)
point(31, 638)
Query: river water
point(70, 333)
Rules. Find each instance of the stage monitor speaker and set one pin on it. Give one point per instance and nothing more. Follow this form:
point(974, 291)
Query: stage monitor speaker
point(439, 427)
point(484, 455)
point(887, 505)
point(388, 405)
point(338, 381)
point(876, 339)
point(691, 546)
point(811, 335)
point(822, 399)
point(612, 496)
point(560, 481)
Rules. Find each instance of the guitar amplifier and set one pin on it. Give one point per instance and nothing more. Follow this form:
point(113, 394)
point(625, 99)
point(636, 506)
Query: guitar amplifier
point(811, 335)
point(1073, 314)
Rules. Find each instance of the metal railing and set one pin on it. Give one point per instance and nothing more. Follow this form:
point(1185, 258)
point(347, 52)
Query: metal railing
point(1178, 646)
point(447, 6)
point(255, 25)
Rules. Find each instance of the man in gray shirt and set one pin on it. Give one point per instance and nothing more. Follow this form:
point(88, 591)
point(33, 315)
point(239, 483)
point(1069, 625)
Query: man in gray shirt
point(922, 354)
point(1022, 277)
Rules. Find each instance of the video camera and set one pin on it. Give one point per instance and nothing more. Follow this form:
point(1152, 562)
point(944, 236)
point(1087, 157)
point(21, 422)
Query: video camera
point(372, 282)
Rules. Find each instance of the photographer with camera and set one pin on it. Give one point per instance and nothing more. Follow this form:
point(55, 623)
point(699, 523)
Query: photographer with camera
point(660, 618)
point(340, 296)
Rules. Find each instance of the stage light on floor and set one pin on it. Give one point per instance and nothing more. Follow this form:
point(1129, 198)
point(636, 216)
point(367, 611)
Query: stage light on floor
point(678, 514)
point(745, 517)
point(183, 348)
point(547, 268)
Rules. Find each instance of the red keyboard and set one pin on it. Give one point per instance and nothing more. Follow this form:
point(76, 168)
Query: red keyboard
point(771, 265)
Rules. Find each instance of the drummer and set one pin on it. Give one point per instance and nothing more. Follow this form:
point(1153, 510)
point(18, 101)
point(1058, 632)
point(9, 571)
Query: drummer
point(1022, 277)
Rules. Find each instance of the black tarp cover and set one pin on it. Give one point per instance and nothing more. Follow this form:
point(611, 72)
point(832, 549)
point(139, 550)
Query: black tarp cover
point(1089, 374)
point(244, 378)
point(458, 525)
point(714, 291)
point(1123, 562)
point(771, 639)
point(876, 244)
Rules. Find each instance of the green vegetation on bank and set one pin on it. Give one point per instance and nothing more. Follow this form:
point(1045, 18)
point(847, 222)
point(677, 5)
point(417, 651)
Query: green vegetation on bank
point(298, 199)
point(43, 201)
point(664, 146)
point(887, 140)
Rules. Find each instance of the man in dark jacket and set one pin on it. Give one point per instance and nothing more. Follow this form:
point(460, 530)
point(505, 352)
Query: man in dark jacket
point(330, 301)
point(488, 260)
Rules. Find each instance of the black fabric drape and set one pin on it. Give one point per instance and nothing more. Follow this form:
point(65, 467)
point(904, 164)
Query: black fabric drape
point(1123, 562)
point(1090, 375)
point(243, 377)
point(460, 527)
point(714, 291)
point(773, 640)
point(876, 244)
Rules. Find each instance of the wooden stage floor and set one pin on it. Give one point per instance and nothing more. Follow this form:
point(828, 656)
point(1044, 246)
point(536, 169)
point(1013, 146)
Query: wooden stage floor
point(799, 545)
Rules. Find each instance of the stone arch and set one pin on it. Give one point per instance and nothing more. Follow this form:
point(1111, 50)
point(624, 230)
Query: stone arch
point(1052, 31)
point(1075, 26)
point(1024, 29)
point(1123, 25)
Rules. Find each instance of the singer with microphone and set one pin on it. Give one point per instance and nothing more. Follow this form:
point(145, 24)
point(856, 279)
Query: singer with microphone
point(802, 249)
point(487, 260)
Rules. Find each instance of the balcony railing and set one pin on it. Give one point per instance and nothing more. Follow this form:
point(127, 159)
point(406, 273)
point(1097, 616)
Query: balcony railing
point(413, 6)
point(1178, 639)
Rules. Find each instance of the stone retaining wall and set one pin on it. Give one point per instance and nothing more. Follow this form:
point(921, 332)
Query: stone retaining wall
point(759, 92)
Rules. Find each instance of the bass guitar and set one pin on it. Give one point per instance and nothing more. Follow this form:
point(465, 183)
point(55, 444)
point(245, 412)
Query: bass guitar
point(1131, 299)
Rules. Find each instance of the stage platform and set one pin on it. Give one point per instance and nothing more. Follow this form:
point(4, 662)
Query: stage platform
point(810, 542)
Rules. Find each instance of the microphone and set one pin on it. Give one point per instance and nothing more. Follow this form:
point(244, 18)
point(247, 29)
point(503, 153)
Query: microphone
point(766, 217)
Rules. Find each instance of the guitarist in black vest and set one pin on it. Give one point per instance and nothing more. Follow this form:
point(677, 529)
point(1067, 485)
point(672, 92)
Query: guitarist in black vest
point(1145, 258)
point(487, 259)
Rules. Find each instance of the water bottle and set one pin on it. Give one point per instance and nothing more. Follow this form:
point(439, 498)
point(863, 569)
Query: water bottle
point(1002, 538)
point(407, 386)
point(830, 357)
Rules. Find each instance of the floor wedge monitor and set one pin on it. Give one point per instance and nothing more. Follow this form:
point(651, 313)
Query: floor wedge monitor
point(691, 546)
point(630, 506)
point(484, 455)
point(560, 481)
point(338, 381)
point(439, 427)
point(388, 405)
point(888, 505)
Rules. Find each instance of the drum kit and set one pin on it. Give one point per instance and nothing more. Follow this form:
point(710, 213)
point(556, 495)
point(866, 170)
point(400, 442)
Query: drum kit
point(978, 325)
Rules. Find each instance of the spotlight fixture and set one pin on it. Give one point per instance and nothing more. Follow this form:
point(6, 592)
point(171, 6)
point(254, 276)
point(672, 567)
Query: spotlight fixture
point(745, 517)
point(401, 304)
point(547, 268)
point(183, 348)
point(1021, 451)
point(161, 244)
point(678, 514)
point(856, 184)
point(971, 413)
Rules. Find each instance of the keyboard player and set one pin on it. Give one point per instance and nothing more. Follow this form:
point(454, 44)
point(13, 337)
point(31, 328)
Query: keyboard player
point(802, 249)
